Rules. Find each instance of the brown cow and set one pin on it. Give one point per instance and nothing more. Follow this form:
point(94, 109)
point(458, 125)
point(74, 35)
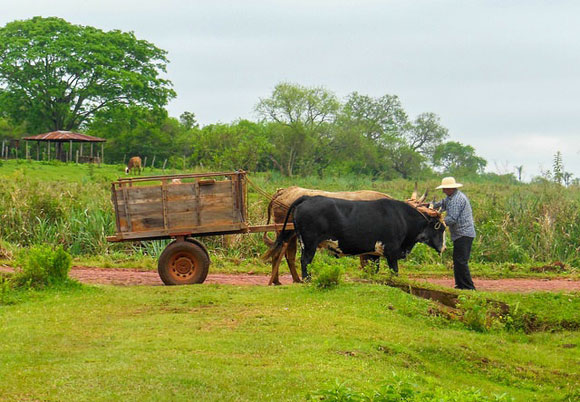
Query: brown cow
point(134, 164)
point(279, 206)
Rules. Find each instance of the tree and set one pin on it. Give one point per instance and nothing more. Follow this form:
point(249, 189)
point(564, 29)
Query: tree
point(520, 170)
point(456, 158)
point(300, 118)
point(56, 75)
point(426, 133)
point(558, 168)
point(380, 120)
point(139, 131)
point(188, 120)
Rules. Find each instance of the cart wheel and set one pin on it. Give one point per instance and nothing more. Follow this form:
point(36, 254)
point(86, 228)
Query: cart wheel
point(183, 263)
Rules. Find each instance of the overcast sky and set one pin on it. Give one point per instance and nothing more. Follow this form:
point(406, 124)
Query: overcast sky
point(504, 76)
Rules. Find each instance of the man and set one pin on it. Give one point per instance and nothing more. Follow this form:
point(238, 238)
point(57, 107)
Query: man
point(459, 220)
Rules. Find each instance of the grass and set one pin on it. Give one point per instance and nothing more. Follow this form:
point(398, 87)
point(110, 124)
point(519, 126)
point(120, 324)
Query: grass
point(522, 228)
point(216, 342)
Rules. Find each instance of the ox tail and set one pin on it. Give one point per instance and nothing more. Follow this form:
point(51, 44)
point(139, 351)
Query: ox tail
point(284, 235)
point(266, 239)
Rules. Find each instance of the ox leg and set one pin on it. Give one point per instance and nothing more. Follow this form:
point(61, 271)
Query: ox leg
point(291, 258)
point(393, 264)
point(276, 260)
point(306, 258)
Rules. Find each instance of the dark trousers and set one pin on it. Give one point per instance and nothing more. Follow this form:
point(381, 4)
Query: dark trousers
point(461, 252)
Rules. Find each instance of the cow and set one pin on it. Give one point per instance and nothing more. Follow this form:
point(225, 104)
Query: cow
point(383, 227)
point(134, 164)
point(278, 207)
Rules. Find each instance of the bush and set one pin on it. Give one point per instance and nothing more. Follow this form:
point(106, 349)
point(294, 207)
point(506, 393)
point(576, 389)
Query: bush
point(481, 315)
point(326, 276)
point(42, 266)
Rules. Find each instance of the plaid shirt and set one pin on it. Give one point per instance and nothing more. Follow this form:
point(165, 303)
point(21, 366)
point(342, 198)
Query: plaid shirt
point(459, 218)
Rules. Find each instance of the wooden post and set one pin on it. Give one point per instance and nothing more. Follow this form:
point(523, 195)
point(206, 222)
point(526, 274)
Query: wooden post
point(37, 150)
point(145, 163)
point(70, 159)
point(91, 151)
point(48, 151)
point(153, 162)
point(102, 152)
point(2, 153)
point(164, 163)
point(124, 157)
point(81, 149)
point(77, 156)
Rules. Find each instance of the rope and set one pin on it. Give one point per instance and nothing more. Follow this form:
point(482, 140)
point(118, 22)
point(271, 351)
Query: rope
point(266, 195)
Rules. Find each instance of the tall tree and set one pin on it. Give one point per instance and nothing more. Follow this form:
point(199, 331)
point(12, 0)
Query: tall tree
point(456, 158)
point(381, 120)
point(426, 133)
point(301, 117)
point(56, 75)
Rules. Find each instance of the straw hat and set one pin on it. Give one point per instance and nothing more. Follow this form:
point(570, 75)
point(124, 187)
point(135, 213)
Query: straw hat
point(449, 182)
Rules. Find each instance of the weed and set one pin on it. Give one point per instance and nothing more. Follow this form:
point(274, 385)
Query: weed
point(41, 266)
point(481, 315)
point(326, 276)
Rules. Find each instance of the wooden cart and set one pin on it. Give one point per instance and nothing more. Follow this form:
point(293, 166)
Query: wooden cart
point(182, 207)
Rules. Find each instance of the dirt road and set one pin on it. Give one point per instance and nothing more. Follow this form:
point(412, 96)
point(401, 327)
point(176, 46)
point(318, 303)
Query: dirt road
point(131, 277)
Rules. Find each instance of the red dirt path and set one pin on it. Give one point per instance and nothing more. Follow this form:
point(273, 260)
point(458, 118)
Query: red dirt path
point(130, 277)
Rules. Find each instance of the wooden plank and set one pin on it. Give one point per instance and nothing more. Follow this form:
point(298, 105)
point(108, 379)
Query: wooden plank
point(218, 189)
point(127, 215)
point(116, 204)
point(201, 231)
point(198, 204)
point(164, 202)
point(269, 228)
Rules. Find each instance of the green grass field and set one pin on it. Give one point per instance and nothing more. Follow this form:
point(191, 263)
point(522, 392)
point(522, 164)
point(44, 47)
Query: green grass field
point(214, 342)
point(223, 342)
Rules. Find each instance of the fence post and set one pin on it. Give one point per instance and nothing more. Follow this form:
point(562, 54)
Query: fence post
point(145, 163)
point(164, 163)
point(153, 162)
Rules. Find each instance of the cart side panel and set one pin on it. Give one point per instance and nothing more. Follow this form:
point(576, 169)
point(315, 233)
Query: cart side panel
point(186, 206)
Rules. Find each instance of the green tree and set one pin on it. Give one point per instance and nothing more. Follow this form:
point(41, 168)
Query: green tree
point(188, 120)
point(139, 131)
point(240, 145)
point(425, 133)
point(558, 168)
point(458, 159)
point(300, 118)
point(380, 120)
point(56, 75)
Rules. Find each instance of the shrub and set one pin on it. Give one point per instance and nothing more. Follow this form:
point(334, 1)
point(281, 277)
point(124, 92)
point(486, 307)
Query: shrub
point(42, 266)
point(326, 276)
point(481, 315)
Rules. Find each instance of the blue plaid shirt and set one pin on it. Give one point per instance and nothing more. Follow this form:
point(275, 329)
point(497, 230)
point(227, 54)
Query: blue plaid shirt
point(459, 217)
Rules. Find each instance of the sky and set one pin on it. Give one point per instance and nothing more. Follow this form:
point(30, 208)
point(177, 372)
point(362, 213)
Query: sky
point(503, 76)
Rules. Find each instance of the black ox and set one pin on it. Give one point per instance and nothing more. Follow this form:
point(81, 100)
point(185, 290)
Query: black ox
point(383, 227)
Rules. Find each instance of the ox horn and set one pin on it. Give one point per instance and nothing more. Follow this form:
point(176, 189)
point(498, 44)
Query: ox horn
point(424, 196)
point(414, 195)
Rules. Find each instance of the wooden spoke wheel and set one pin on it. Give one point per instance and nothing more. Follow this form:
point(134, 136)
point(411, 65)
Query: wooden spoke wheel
point(183, 263)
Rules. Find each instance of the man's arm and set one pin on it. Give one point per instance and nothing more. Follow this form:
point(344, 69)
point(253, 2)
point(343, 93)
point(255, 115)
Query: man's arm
point(454, 210)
